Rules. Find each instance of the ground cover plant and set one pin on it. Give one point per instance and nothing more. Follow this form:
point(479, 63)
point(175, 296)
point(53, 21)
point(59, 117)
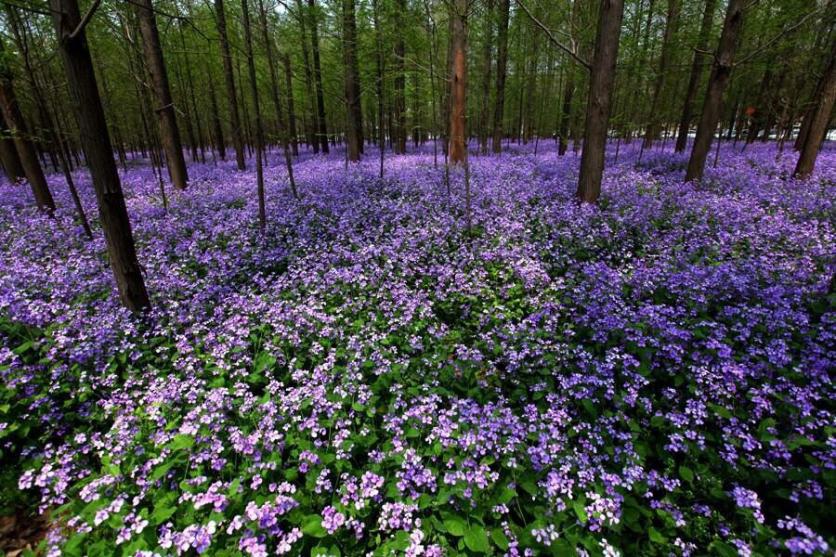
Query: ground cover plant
point(648, 376)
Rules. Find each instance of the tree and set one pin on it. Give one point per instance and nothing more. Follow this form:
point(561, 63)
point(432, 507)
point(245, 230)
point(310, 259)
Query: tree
point(169, 132)
point(8, 153)
point(599, 99)
point(568, 87)
point(20, 134)
point(820, 117)
point(501, 74)
point(717, 83)
point(95, 141)
point(399, 118)
point(458, 81)
point(672, 16)
point(322, 131)
point(229, 79)
point(354, 131)
point(259, 131)
point(274, 88)
point(696, 74)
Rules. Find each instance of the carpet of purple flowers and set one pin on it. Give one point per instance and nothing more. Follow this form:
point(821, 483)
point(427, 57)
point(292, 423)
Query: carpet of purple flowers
point(652, 376)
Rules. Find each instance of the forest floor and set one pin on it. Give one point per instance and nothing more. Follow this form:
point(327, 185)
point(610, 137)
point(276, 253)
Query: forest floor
point(651, 376)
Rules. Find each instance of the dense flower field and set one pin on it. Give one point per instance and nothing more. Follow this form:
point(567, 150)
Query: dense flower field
point(652, 376)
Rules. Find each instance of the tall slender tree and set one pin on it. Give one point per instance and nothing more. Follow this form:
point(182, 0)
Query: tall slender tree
point(169, 132)
point(696, 74)
point(354, 131)
point(322, 131)
point(259, 131)
point(602, 76)
point(717, 83)
point(501, 74)
point(653, 126)
point(8, 153)
point(399, 105)
point(24, 146)
point(95, 141)
point(229, 80)
point(817, 129)
point(457, 148)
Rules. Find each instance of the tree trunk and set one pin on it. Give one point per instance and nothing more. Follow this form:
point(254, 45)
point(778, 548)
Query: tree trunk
point(817, 129)
point(96, 144)
point(291, 112)
point(696, 74)
point(217, 128)
point(322, 132)
point(720, 75)
point(458, 82)
point(399, 135)
point(501, 74)
point(487, 66)
point(23, 144)
point(274, 88)
point(8, 153)
point(169, 133)
point(354, 135)
point(259, 132)
point(652, 132)
point(598, 104)
point(229, 79)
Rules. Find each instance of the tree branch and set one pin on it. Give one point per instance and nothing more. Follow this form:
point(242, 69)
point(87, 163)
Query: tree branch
point(571, 52)
point(85, 20)
point(776, 38)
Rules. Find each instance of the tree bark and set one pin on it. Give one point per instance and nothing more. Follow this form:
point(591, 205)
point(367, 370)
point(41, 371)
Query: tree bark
point(169, 132)
point(671, 19)
point(458, 82)
point(598, 103)
point(354, 133)
point(487, 66)
point(501, 74)
point(229, 80)
point(291, 112)
point(8, 153)
point(399, 108)
point(696, 74)
point(717, 83)
point(274, 88)
point(259, 132)
point(20, 133)
point(322, 132)
point(95, 141)
point(817, 130)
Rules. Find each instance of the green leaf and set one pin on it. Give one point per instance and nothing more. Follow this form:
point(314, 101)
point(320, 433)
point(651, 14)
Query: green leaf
point(656, 536)
point(723, 549)
point(312, 526)
point(499, 538)
point(580, 510)
point(476, 539)
point(686, 474)
point(263, 361)
point(181, 441)
point(455, 525)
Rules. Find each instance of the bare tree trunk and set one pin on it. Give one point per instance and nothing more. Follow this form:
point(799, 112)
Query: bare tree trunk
point(8, 153)
point(218, 131)
point(696, 74)
point(23, 144)
point(291, 112)
point(378, 35)
point(259, 133)
point(652, 132)
point(320, 96)
point(720, 75)
point(274, 88)
point(600, 96)
point(96, 143)
point(399, 139)
point(501, 74)
point(354, 136)
point(169, 133)
point(817, 130)
point(458, 82)
point(487, 66)
point(229, 79)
